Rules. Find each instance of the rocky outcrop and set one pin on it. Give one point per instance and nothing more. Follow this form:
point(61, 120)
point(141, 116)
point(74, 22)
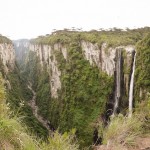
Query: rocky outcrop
point(7, 56)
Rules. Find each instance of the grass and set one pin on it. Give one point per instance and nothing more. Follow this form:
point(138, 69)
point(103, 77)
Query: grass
point(14, 136)
point(61, 142)
point(122, 130)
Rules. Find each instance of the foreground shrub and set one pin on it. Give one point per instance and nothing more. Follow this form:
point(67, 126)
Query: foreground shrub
point(61, 142)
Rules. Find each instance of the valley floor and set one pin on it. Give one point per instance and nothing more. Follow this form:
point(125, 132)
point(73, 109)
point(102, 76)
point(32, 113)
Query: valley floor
point(34, 107)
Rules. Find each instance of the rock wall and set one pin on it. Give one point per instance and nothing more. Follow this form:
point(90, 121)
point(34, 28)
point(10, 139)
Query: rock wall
point(7, 56)
point(46, 55)
point(104, 57)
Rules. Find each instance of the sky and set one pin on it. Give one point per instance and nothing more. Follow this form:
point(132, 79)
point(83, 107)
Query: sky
point(31, 18)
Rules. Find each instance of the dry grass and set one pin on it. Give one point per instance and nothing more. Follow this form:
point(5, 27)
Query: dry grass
point(122, 131)
point(61, 142)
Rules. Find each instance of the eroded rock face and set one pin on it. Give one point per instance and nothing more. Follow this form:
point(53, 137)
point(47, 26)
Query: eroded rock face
point(46, 55)
point(7, 56)
point(91, 52)
point(104, 57)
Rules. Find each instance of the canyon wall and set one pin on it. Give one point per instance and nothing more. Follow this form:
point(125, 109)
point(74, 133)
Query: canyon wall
point(102, 57)
point(7, 56)
point(46, 55)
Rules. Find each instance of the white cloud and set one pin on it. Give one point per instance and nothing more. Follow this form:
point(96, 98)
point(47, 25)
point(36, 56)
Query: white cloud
point(30, 18)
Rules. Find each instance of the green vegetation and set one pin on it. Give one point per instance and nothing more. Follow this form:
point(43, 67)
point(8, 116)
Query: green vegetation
point(4, 39)
point(83, 94)
point(39, 78)
point(143, 68)
point(123, 131)
point(43, 93)
point(18, 94)
point(65, 141)
point(12, 134)
point(14, 137)
point(114, 37)
point(84, 90)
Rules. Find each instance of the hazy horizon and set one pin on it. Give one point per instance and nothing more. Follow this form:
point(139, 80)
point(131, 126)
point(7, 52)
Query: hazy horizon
point(26, 19)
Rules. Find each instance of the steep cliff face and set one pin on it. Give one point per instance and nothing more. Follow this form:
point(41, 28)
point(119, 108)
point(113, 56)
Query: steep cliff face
point(104, 57)
point(7, 56)
point(46, 55)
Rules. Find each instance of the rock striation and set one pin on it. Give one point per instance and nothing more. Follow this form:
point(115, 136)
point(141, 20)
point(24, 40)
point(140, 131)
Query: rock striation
point(7, 56)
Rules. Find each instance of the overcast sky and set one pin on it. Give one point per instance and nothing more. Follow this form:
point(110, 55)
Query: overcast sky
point(30, 18)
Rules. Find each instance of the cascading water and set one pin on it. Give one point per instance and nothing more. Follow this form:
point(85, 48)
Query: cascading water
point(118, 81)
point(131, 88)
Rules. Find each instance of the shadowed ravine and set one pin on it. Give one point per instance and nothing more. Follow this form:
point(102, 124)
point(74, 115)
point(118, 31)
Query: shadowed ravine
point(34, 107)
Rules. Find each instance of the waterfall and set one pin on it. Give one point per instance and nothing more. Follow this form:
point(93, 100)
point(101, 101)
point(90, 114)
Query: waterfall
point(131, 88)
point(118, 80)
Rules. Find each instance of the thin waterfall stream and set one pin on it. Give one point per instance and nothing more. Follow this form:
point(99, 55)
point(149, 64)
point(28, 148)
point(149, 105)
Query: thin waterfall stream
point(131, 88)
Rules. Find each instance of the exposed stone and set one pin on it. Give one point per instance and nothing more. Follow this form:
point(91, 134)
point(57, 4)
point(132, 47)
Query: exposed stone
point(7, 56)
point(47, 56)
point(104, 57)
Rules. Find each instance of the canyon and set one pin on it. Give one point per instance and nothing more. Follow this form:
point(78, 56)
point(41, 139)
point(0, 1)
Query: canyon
point(73, 81)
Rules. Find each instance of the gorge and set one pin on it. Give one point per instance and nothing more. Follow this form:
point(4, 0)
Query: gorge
point(77, 80)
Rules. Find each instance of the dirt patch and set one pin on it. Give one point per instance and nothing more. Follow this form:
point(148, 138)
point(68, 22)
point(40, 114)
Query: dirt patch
point(142, 143)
